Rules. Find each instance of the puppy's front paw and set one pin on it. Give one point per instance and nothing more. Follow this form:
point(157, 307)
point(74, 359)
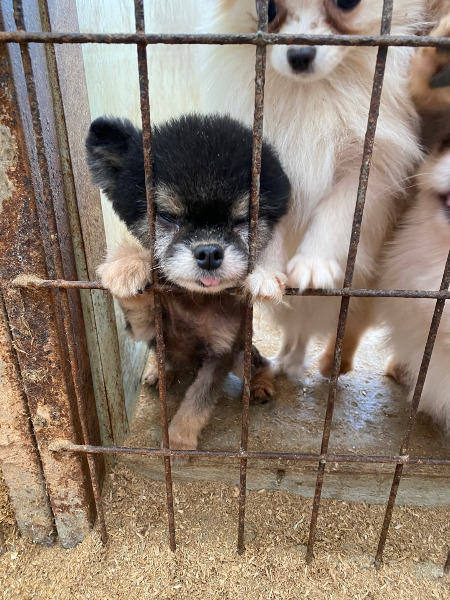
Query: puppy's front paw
point(151, 376)
point(262, 387)
point(126, 271)
point(314, 272)
point(181, 437)
point(269, 285)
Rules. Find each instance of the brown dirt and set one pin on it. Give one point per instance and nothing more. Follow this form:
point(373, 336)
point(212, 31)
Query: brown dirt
point(8, 528)
point(137, 564)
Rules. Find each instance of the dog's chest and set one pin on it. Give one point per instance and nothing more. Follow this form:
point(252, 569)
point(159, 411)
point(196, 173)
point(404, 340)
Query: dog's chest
point(205, 325)
point(303, 122)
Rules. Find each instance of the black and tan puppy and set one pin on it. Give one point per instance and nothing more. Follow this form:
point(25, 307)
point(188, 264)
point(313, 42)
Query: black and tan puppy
point(201, 187)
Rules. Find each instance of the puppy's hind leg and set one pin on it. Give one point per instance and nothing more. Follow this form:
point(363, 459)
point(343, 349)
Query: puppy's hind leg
point(290, 359)
point(359, 321)
point(197, 406)
point(139, 313)
point(262, 384)
point(398, 371)
point(151, 375)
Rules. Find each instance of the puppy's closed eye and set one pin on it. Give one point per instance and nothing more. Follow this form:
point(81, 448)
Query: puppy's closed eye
point(167, 219)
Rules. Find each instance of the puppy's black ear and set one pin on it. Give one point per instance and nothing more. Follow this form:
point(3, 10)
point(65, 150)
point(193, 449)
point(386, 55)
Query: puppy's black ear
point(116, 163)
point(107, 145)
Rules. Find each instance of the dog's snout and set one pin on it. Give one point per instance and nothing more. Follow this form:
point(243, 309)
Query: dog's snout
point(208, 256)
point(301, 59)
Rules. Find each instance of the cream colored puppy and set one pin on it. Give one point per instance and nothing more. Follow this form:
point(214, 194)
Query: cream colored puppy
point(316, 109)
point(416, 260)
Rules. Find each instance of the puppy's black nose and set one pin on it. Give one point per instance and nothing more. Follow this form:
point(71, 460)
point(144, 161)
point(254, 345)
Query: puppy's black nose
point(301, 59)
point(209, 256)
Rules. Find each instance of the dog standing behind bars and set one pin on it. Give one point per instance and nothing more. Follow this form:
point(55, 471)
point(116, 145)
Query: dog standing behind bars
point(201, 189)
point(416, 260)
point(316, 103)
point(418, 253)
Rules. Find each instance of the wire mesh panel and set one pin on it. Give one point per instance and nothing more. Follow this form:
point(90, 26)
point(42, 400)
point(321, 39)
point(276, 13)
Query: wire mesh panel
point(261, 40)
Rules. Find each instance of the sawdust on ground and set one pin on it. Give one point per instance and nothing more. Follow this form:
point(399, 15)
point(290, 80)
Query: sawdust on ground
point(137, 563)
point(8, 528)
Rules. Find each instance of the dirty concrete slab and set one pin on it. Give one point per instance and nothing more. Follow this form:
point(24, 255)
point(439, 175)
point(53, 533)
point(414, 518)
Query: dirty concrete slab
point(370, 417)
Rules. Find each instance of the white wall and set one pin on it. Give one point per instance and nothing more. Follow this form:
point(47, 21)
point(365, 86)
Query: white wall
point(113, 88)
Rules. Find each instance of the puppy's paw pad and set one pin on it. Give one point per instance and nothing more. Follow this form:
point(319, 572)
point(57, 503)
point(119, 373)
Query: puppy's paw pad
point(314, 272)
point(261, 394)
point(269, 285)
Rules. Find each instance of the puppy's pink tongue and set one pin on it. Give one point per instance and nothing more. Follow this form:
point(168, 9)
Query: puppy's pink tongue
point(210, 281)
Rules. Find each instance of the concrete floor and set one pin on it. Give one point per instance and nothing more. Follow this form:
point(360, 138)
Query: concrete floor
point(369, 418)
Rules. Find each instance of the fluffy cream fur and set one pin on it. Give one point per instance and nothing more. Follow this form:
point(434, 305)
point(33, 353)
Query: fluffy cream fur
point(416, 260)
point(317, 122)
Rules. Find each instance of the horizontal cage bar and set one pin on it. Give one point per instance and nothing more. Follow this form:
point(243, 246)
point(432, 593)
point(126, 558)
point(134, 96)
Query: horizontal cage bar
point(240, 454)
point(34, 282)
point(255, 39)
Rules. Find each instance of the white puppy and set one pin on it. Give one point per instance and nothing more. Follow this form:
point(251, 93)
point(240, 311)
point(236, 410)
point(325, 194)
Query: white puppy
point(316, 109)
point(416, 260)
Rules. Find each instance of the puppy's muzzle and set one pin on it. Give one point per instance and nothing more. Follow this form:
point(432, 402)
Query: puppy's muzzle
point(208, 256)
point(301, 59)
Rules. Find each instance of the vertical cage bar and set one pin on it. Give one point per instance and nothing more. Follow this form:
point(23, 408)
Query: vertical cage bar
point(260, 72)
point(160, 348)
point(440, 304)
point(351, 259)
point(447, 563)
point(53, 255)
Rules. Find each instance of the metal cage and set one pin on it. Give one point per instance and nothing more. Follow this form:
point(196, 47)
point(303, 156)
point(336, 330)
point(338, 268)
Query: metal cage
point(62, 288)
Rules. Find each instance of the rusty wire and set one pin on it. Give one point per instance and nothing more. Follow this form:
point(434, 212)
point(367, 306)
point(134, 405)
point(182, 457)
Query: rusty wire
point(160, 347)
point(48, 224)
point(413, 412)
point(353, 248)
point(330, 458)
point(256, 39)
point(34, 282)
point(260, 39)
point(260, 74)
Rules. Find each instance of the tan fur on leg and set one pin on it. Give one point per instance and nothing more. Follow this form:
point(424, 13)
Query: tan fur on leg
point(262, 386)
point(398, 372)
point(357, 324)
point(185, 428)
point(198, 403)
point(139, 313)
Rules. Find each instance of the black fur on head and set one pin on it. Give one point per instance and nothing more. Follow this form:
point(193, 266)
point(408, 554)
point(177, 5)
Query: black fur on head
point(201, 186)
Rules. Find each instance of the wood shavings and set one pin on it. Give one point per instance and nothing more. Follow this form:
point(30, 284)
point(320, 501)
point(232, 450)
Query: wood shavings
point(206, 565)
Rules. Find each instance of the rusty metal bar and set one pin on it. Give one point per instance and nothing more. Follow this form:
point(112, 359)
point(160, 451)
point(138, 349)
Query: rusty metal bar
point(330, 458)
point(19, 458)
point(257, 140)
point(354, 240)
point(256, 39)
point(160, 348)
point(413, 412)
point(35, 282)
point(54, 258)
